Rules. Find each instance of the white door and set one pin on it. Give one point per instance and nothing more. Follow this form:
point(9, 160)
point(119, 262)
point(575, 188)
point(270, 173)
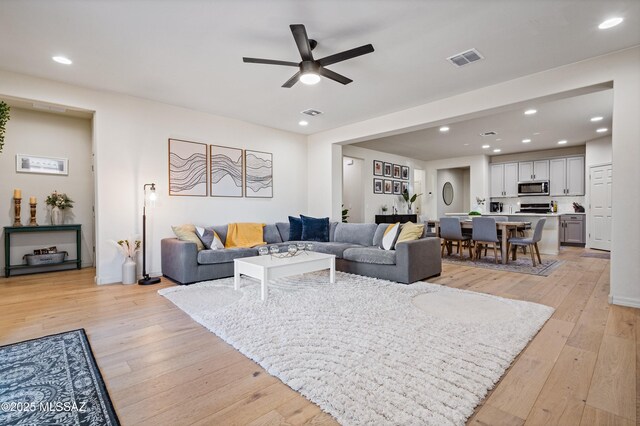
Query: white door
point(575, 176)
point(525, 171)
point(600, 178)
point(557, 177)
point(497, 180)
point(511, 179)
point(541, 170)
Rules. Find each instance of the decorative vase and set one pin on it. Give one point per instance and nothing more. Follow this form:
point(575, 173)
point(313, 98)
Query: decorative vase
point(409, 209)
point(56, 216)
point(129, 271)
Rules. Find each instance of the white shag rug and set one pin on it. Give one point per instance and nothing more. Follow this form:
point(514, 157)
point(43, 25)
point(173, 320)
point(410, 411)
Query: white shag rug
point(370, 351)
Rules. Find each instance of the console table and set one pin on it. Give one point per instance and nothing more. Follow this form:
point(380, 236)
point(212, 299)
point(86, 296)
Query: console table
point(393, 218)
point(9, 230)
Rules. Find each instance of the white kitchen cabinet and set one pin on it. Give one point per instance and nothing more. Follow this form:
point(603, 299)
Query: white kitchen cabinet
point(530, 171)
point(504, 180)
point(566, 176)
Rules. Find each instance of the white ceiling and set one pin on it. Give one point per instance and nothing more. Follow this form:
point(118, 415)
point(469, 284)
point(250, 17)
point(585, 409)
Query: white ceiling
point(189, 52)
point(564, 119)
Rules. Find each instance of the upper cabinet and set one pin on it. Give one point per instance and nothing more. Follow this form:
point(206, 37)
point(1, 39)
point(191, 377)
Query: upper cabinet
point(504, 180)
point(566, 176)
point(532, 171)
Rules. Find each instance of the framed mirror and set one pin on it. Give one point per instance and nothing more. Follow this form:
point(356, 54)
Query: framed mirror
point(447, 193)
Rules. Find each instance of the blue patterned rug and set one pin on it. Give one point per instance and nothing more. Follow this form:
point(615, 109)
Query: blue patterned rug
point(53, 380)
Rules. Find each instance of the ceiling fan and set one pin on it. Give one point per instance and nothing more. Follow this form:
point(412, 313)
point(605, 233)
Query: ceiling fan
point(309, 69)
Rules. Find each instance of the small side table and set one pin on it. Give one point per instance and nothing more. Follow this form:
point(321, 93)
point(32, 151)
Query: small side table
point(9, 230)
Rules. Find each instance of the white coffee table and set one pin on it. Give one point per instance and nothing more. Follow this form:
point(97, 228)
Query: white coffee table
point(265, 268)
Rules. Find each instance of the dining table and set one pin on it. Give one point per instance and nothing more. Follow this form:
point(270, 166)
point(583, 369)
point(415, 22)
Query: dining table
point(508, 229)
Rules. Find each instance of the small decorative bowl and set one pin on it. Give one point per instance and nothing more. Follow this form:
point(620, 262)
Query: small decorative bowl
point(274, 249)
point(309, 246)
point(263, 250)
point(301, 246)
point(292, 249)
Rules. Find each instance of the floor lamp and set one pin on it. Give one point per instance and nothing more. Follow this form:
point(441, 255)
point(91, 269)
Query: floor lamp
point(146, 279)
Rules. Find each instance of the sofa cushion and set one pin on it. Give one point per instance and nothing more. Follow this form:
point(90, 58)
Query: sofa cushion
point(209, 238)
point(221, 230)
point(332, 231)
point(380, 230)
point(283, 229)
point(271, 235)
point(374, 255)
point(187, 232)
point(208, 257)
point(356, 233)
point(295, 228)
point(315, 229)
point(333, 248)
point(410, 232)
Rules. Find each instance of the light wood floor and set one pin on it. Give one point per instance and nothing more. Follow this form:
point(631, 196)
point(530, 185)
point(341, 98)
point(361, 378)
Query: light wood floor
point(162, 368)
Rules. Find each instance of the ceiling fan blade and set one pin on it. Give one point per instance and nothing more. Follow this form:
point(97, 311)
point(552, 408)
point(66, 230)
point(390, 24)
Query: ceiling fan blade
point(347, 54)
point(334, 76)
point(293, 80)
point(269, 62)
point(302, 40)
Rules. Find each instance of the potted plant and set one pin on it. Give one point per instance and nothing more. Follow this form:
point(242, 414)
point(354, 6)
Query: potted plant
point(129, 249)
point(409, 199)
point(58, 202)
point(345, 214)
point(384, 209)
point(4, 117)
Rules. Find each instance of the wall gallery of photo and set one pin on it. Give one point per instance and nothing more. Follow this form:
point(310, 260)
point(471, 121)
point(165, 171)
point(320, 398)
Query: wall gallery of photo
point(399, 174)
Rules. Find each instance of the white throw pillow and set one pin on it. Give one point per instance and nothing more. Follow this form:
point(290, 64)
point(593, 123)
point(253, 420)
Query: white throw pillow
point(209, 238)
point(390, 236)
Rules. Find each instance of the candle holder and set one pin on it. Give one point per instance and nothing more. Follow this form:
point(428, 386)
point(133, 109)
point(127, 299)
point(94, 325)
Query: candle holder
point(16, 210)
point(33, 222)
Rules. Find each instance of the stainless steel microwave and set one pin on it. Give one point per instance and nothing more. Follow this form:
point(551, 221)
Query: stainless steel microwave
point(533, 188)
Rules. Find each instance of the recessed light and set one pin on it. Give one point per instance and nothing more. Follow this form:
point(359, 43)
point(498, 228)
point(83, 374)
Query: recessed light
point(594, 119)
point(530, 111)
point(609, 23)
point(466, 144)
point(444, 129)
point(562, 142)
point(602, 130)
point(303, 122)
point(486, 146)
point(497, 150)
point(526, 140)
point(62, 60)
point(498, 140)
point(536, 133)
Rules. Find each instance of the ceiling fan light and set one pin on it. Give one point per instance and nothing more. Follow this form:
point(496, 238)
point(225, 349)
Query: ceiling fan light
point(309, 78)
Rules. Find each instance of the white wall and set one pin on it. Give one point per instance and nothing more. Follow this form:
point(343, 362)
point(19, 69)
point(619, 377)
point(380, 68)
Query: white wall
point(48, 135)
point(352, 188)
point(622, 68)
point(456, 178)
point(373, 202)
point(130, 143)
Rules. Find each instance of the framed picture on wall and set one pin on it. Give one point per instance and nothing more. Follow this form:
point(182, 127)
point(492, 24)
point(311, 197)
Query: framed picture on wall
point(405, 173)
point(187, 168)
point(397, 173)
point(377, 186)
point(397, 187)
point(377, 168)
point(258, 175)
point(388, 169)
point(388, 186)
point(44, 165)
point(405, 187)
point(226, 171)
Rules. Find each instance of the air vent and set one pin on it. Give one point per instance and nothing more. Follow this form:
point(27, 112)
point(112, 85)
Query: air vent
point(312, 112)
point(465, 58)
point(48, 107)
point(490, 133)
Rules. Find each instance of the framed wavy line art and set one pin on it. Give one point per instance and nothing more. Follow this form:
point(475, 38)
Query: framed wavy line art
point(226, 171)
point(187, 168)
point(258, 175)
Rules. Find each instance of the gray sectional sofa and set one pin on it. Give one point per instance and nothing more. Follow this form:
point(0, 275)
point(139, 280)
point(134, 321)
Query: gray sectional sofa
point(355, 246)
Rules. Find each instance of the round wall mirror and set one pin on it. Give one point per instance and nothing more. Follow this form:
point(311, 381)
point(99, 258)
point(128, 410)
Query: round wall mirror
point(447, 193)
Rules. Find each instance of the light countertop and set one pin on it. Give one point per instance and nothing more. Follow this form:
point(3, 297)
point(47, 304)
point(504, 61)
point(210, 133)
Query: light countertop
point(514, 214)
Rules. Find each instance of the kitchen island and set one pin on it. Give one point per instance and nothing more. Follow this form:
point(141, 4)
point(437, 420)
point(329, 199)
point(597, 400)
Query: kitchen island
point(550, 242)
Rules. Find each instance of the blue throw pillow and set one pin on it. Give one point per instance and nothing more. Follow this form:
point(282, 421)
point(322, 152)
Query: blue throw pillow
point(295, 228)
point(314, 229)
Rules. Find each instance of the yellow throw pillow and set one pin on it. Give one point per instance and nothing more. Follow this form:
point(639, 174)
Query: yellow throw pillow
point(187, 232)
point(410, 232)
point(244, 235)
point(389, 238)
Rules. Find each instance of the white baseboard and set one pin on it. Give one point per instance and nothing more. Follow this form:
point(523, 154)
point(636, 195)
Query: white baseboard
point(117, 280)
point(624, 301)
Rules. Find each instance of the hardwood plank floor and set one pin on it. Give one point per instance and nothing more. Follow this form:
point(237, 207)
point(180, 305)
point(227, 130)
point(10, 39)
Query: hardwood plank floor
point(161, 367)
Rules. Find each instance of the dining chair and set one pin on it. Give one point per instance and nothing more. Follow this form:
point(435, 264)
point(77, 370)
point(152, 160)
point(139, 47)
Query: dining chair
point(531, 241)
point(450, 231)
point(498, 219)
point(485, 233)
